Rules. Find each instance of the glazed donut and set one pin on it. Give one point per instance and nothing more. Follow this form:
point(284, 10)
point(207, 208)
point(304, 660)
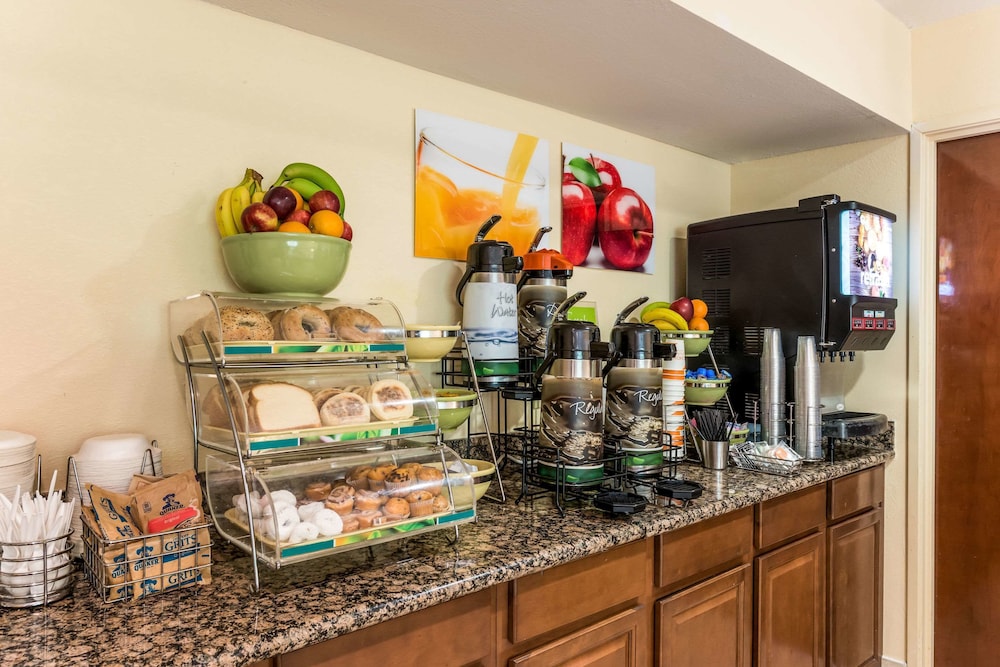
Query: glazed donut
point(304, 532)
point(304, 322)
point(355, 325)
point(318, 490)
point(308, 511)
point(240, 323)
point(328, 522)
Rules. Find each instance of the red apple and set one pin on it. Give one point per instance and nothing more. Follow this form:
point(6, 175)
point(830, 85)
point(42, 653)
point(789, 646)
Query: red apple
point(348, 234)
point(259, 217)
point(568, 177)
point(610, 179)
point(625, 229)
point(324, 200)
point(579, 221)
point(281, 200)
point(683, 307)
point(299, 215)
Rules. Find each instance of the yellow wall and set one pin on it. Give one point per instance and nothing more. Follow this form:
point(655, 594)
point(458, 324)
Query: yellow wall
point(122, 121)
point(955, 69)
point(873, 172)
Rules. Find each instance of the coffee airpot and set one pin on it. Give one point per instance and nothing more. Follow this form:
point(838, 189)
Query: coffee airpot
point(487, 293)
point(540, 290)
point(633, 415)
point(571, 384)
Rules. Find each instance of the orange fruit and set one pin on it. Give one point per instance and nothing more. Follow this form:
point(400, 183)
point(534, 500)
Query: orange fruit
point(327, 223)
point(298, 200)
point(698, 324)
point(700, 308)
point(293, 226)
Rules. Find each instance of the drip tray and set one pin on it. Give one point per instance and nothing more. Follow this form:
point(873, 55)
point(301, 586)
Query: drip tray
point(844, 425)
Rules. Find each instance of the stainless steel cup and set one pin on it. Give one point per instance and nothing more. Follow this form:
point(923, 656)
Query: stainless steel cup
point(715, 454)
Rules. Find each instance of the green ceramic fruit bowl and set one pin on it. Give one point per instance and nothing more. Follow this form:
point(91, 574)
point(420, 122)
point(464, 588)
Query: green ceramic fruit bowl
point(286, 263)
point(695, 342)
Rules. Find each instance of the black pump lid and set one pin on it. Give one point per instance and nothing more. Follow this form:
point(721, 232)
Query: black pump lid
point(573, 339)
point(491, 256)
point(634, 340)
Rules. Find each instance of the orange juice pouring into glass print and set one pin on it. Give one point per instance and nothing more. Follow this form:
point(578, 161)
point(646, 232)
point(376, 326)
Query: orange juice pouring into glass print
point(460, 183)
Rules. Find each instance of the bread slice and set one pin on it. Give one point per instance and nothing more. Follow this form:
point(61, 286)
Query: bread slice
point(280, 406)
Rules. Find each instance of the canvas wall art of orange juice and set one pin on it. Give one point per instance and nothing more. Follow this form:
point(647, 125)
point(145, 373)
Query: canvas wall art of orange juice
point(460, 184)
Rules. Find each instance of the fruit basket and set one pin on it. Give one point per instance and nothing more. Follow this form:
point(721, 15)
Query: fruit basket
point(273, 411)
point(233, 328)
point(300, 509)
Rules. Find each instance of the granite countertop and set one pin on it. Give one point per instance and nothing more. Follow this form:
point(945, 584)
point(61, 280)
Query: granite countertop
point(225, 623)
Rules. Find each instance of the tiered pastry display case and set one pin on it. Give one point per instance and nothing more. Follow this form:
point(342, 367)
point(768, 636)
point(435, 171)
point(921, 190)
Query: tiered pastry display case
point(308, 407)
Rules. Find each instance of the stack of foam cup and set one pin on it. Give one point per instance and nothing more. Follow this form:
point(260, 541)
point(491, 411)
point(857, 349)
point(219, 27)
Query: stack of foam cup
point(673, 405)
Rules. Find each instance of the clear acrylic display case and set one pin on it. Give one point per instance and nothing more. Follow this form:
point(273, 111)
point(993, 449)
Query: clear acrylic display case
point(239, 328)
point(307, 408)
point(398, 491)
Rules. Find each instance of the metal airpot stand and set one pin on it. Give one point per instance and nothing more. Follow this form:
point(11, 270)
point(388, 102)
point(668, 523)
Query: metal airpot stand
point(467, 353)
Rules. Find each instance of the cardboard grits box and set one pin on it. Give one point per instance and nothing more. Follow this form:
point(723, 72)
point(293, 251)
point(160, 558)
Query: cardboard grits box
point(132, 568)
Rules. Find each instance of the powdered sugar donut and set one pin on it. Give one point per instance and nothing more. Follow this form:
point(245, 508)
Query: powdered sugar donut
point(240, 503)
point(308, 510)
point(283, 496)
point(305, 531)
point(328, 522)
point(284, 515)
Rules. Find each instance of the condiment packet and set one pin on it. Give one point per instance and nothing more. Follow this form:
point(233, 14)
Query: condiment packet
point(113, 513)
point(139, 481)
point(170, 503)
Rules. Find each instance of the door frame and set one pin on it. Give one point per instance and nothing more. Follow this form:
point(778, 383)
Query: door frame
point(921, 359)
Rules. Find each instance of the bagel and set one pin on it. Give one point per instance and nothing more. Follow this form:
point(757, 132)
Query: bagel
point(343, 409)
point(355, 325)
point(303, 322)
point(240, 323)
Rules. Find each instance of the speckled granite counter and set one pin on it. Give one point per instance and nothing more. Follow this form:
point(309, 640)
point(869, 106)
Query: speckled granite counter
point(225, 624)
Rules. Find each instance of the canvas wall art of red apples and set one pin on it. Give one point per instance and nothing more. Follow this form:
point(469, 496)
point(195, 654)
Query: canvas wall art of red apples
point(607, 211)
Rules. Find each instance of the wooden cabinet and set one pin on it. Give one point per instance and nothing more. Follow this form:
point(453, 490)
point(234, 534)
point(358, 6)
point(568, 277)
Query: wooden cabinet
point(458, 632)
point(707, 625)
point(612, 642)
point(854, 570)
point(791, 604)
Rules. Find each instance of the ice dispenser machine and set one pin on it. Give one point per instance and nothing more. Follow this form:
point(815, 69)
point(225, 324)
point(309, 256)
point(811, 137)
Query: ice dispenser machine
point(821, 269)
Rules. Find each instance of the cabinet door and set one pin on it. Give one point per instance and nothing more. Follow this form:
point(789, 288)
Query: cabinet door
point(791, 604)
point(608, 643)
point(708, 625)
point(855, 591)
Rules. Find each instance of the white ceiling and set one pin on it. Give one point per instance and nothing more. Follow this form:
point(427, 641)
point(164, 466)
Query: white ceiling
point(655, 70)
point(917, 13)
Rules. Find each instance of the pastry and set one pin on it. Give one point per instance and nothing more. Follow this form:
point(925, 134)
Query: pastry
point(430, 479)
point(398, 482)
point(440, 504)
point(368, 500)
point(396, 509)
point(341, 501)
point(376, 478)
point(355, 325)
point(318, 490)
point(358, 477)
point(390, 400)
point(350, 523)
point(367, 518)
point(421, 503)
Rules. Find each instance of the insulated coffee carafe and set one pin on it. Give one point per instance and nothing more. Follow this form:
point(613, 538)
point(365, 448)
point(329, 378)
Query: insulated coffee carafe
point(487, 293)
point(540, 290)
point(572, 388)
point(633, 411)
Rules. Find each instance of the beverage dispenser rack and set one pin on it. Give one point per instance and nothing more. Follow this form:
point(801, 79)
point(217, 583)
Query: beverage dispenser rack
point(381, 443)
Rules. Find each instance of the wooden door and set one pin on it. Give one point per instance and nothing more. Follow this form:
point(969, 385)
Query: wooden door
point(791, 604)
point(708, 625)
point(967, 475)
point(612, 642)
point(854, 580)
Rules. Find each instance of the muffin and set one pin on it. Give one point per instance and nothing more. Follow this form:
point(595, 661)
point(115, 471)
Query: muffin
point(368, 500)
point(396, 509)
point(358, 478)
point(376, 479)
point(412, 466)
point(318, 490)
point(421, 503)
point(351, 522)
point(399, 481)
point(430, 479)
point(440, 504)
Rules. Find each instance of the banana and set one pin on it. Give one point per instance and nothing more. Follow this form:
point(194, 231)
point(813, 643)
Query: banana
point(663, 325)
point(257, 196)
point(651, 307)
point(305, 188)
point(311, 172)
point(668, 315)
point(238, 201)
point(224, 214)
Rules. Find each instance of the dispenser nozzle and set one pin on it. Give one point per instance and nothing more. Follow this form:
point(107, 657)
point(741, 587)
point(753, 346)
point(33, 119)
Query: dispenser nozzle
point(538, 238)
point(564, 307)
point(629, 308)
point(486, 227)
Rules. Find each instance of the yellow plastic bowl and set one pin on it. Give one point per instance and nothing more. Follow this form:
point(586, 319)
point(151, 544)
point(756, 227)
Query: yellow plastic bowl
point(481, 480)
point(695, 342)
point(286, 263)
point(429, 342)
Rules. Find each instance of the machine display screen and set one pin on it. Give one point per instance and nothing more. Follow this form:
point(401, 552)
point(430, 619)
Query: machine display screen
point(866, 254)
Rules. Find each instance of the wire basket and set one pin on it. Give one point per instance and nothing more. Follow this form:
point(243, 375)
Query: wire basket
point(133, 568)
point(742, 457)
point(35, 573)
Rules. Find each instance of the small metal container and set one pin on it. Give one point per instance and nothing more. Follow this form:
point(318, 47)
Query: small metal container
point(36, 573)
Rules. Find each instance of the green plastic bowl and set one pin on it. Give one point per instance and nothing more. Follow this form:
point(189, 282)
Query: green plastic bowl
point(705, 392)
point(454, 407)
point(286, 263)
point(695, 342)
